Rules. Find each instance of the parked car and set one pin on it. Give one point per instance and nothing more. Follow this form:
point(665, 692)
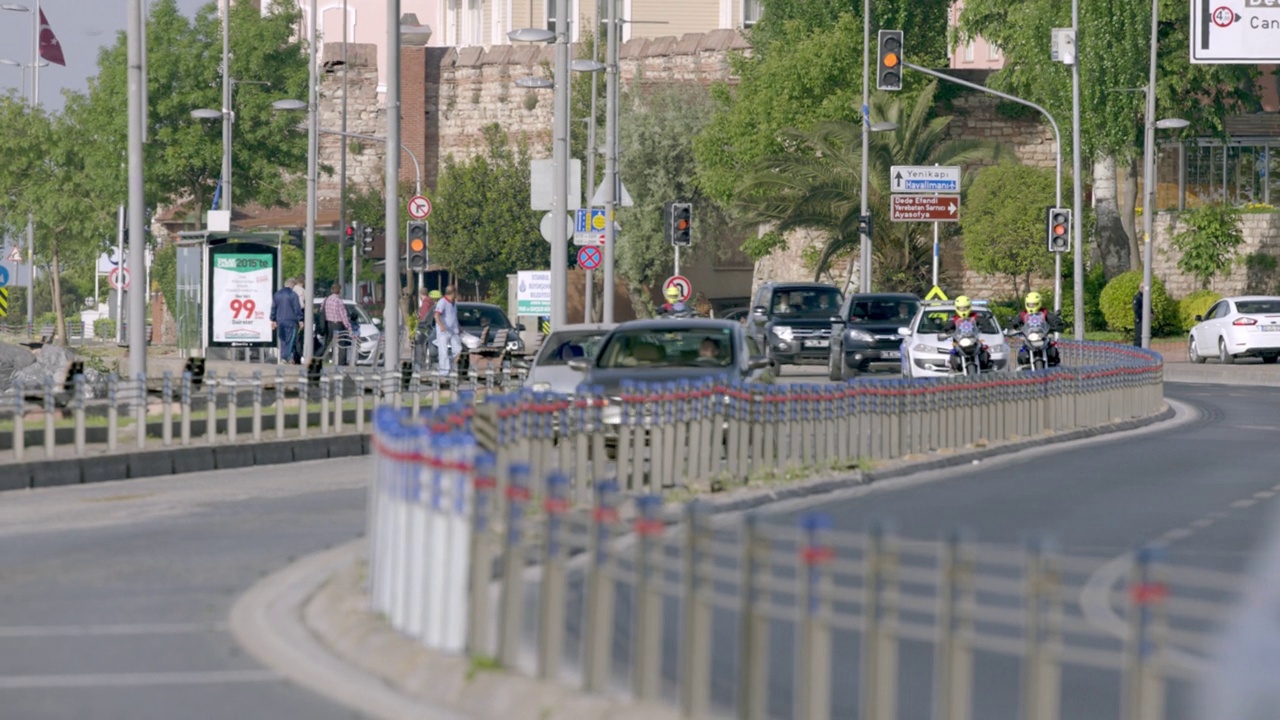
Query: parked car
point(866, 332)
point(738, 315)
point(925, 354)
point(793, 321)
point(1237, 327)
point(550, 370)
point(368, 329)
point(489, 323)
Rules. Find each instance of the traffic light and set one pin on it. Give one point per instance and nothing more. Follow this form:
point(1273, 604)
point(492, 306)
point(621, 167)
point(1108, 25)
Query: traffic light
point(1058, 226)
point(349, 239)
point(417, 245)
point(681, 230)
point(864, 224)
point(296, 237)
point(366, 242)
point(889, 76)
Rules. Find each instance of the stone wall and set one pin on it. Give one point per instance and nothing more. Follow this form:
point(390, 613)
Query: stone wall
point(365, 116)
point(1261, 235)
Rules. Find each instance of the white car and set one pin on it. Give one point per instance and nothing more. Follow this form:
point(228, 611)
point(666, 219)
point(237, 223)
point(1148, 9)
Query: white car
point(924, 355)
point(550, 371)
point(369, 330)
point(1237, 327)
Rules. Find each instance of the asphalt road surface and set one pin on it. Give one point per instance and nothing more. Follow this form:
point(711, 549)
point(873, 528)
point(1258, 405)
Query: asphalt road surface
point(114, 597)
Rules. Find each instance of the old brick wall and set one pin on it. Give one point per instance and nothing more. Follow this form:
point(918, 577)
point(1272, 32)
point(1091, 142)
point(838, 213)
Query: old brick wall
point(1261, 235)
point(365, 115)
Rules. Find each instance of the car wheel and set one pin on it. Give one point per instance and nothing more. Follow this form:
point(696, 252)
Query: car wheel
point(1193, 353)
point(1270, 359)
point(1224, 356)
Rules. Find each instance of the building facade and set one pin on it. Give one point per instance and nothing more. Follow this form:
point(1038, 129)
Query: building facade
point(971, 54)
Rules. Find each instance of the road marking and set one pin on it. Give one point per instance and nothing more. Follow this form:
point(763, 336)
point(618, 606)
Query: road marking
point(1201, 523)
point(1264, 494)
point(1243, 503)
point(216, 677)
point(25, 631)
point(1178, 534)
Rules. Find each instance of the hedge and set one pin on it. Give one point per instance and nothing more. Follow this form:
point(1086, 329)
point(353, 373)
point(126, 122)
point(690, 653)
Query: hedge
point(1117, 305)
point(1197, 303)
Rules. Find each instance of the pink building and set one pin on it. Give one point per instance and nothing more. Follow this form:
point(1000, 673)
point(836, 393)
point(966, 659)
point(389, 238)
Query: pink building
point(976, 54)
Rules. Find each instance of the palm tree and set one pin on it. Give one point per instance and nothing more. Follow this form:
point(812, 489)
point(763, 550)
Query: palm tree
point(815, 184)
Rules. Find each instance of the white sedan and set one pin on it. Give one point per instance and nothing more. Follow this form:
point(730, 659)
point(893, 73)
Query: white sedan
point(1237, 327)
point(924, 355)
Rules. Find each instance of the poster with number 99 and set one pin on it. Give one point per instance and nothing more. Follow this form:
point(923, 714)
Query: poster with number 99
point(243, 283)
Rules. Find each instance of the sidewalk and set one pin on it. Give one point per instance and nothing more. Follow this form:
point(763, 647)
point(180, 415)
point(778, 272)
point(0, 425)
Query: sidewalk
point(1247, 371)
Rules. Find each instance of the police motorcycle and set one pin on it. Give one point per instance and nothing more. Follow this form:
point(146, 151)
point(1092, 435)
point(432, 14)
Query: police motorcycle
point(969, 355)
point(1037, 340)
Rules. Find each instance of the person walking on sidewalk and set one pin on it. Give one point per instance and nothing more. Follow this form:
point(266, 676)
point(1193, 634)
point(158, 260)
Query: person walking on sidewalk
point(300, 289)
point(1137, 315)
point(335, 315)
point(286, 314)
point(448, 334)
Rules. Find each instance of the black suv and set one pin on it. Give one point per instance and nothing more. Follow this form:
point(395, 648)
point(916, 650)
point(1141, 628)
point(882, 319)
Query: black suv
point(866, 331)
point(793, 320)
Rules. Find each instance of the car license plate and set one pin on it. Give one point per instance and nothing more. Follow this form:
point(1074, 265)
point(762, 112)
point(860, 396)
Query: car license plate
point(891, 355)
point(816, 343)
point(1271, 328)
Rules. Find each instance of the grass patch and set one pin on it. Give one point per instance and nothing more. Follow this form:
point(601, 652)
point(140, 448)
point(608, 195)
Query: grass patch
point(482, 663)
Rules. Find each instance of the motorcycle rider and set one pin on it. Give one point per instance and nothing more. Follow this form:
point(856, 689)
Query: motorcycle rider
point(1051, 319)
point(965, 311)
point(674, 305)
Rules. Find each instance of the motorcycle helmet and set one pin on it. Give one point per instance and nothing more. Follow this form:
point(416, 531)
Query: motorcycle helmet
point(673, 294)
point(1033, 302)
point(963, 306)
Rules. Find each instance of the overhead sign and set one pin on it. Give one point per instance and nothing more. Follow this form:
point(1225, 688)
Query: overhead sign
point(590, 257)
point(4, 276)
point(419, 207)
point(589, 227)
point(242, 283)
point(533, 292)
point(680, 283)
point(115, 281)
point(924, 208)
point(1235, 31)
point(924, 178)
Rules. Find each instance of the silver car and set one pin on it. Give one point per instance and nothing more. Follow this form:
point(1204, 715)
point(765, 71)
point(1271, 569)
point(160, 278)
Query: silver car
point(924, 354)
point(550, 371)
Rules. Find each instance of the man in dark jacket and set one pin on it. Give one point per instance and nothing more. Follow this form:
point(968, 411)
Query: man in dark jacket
point(286, 315)
point(1137, 315)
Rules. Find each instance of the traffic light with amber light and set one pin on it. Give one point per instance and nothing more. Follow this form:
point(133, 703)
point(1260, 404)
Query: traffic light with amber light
point(366, 241)
point(417, 245)
point(1058, 222)
point(889, 75)
point(681, 224)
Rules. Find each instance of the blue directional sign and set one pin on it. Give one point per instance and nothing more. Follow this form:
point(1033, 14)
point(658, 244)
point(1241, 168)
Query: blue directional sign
point(924, 179)
point(4, 276)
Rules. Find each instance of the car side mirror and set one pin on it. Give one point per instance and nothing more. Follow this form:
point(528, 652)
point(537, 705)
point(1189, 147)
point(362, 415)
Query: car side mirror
point(904, 332)
point(1198, 318)
point(759, 362)
point(580, 365)
point(759, 311)
point(377, 321)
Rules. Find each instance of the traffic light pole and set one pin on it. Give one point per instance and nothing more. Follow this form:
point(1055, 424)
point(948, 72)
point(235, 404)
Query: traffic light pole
point(612, 77)
point(864, 251)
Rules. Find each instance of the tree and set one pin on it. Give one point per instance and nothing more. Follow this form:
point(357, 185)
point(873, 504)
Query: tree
point(1208, 241)
point(816, 184)
point(657, 125)
point(1113, 47)
point(1003, 219)
point(805, 68)
point(481, 226)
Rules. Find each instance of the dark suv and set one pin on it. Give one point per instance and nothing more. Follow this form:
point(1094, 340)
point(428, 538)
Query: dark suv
point(866, 331)
point(793, 320)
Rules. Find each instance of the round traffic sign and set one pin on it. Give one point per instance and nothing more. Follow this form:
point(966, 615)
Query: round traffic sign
point(113, 278)
point(589, 257)
point(419, 207)
point(1224, 16)
point(681, 283)
point(4, 275)
point(548, 227)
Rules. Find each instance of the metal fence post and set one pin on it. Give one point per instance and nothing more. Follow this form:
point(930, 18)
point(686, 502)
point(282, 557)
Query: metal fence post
point(304, 400)
point(140, 411)
point(184, 429)
point(953, 664)
point(279, 402)
point(552, 591)
point(646, 633)
point(879, 689)
point(339, 389)
point(50, 439)
point(211, 424)
point(597, 650)
point(233, 407)
point(166, 410)
point(19, 421)
point(509, 630)
point(813, 632)
point(478, 640)
point(1041, 675)
point(753, 662)
point(325, 381)
point(599, 457)
point(256, 428)
point(1144, 691)
point(79, 414)
point(695, 631)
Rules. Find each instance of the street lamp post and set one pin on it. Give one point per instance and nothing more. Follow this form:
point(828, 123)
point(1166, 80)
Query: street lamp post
point(137, 75)
point(35, 100)
point(590, 66)
point(612, 78)
point(864, 251)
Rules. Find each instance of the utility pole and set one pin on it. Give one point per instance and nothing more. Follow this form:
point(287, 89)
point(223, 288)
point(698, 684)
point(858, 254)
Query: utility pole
point(226, 105)
point(391, 313)
point(309, 242)
point(588, 189)
point(1148, 177)
point(560, 163)
point(342, 169)
point(864, 253)
point(1077, 186)
point(137, 73)
point(611, 157)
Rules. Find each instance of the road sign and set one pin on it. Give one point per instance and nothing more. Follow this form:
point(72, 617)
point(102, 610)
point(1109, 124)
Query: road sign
point(936, 294)
point(548, 227)
point(4, 301)
point(4, 276)
point(15, 255)
point(924, 179)
point(542, 184)
point(113, 278)
point(590, 257)
point(924, 208)
point(419, 207)
point(589, 227)
point(533, 292)
point(681, 283)
point(1235, 31)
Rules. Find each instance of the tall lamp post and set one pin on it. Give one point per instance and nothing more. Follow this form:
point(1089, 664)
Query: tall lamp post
point(35, 100)
point(590, 66)
point(864, 251)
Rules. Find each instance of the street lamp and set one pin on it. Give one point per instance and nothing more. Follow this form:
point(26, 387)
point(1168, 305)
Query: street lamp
point(35, 100)
point(531, 82)
point(590, 66)
point(228, 117)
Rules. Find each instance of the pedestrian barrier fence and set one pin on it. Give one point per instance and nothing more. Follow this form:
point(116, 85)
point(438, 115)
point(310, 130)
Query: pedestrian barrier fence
point(503, 529)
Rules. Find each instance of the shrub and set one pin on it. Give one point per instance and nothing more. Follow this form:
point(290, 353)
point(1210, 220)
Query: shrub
point(1094, 281)
point(1209, 241)
point(1117, 304)
point(1197, 303)
point(46, 318)
point(104, 328)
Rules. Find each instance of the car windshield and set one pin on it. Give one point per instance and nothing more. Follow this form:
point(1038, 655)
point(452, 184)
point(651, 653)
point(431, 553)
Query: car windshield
point(560, 348)
point(682, 347)
point(475, 315)
point(1257, 307)
point(883, 310)
point(806, 301)
point(935, 321)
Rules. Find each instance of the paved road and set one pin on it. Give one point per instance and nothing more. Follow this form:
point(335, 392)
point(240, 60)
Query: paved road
point(114, 598)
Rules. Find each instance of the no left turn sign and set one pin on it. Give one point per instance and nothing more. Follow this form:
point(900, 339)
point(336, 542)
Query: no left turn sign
point(419, 207)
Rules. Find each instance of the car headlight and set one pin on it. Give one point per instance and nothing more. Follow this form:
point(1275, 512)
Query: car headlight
point(921, 347)
point(783, 333)
point(1001, 348)
point(860, 336)
point(513, 345)
point(540, 387)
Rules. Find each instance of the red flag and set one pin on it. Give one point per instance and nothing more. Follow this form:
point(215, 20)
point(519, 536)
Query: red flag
point(50, 48)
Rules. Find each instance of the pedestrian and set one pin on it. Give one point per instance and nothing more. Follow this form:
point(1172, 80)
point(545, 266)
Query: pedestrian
point(286, 315)
point(335, 315)
point(1137, 315)
point(448, 334)
point(426, 320)
point(300, 289)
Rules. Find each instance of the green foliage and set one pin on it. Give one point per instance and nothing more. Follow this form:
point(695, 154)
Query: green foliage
point(1117, 304)
point(1262, 274)
point(164, 271)
point(293, 262)
point(1208, 241)
point(1094, 282)
point(1003, 223)
point(763, 245)
point(481, 225)
point(1197, 303)
point(104, 328)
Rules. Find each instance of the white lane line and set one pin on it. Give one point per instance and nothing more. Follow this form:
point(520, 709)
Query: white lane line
point(1179, 534)
point(1201, 523)
point(1243, 503)
point(1265, 494)
point(101, 680)
point(26, 631)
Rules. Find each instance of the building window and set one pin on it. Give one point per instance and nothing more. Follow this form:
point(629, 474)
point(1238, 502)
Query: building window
point(750, 12)
point(475, 23)
point(968, 51)
point(993, 52)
